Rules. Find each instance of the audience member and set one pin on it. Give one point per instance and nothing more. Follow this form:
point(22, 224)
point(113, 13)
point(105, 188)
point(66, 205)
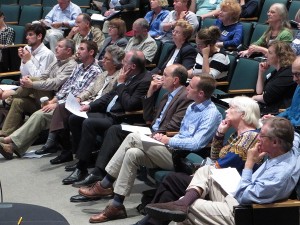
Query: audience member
point(275, 90)
point(141, 40)
point(243, 115)
point(133, 83)
point(6, 38)
point(279, 29)
point(110, 7)
point(155, 16)
point(206, 8)
point(80, 78)
point(116, 32)
point(249, 8)
point(197, 129)
point(104, 83)
point(211, 59)
point(228, 22)
point(296, 42)
point(183, 52)
point(181, 11)
point(59, 19)
point(275, 140)
point(26, 99)
point(84, 31)
point(167, 118)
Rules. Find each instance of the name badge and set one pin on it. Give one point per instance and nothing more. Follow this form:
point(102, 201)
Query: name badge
point(224, 33)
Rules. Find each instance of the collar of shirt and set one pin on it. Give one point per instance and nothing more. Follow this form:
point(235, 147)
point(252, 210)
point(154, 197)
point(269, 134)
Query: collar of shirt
point(86, 68)
point(61, 62)
point(201, 106)
point(173, 93)
point(37, 49)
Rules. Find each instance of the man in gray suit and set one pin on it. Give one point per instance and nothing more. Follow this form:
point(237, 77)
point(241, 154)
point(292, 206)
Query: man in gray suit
point(167, 117)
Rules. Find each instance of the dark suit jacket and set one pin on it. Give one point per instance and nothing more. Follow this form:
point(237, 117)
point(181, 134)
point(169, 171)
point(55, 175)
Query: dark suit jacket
point(186, 57)
point(174, 113)
point(129, 96)
point(122, 42)
point(124, 4)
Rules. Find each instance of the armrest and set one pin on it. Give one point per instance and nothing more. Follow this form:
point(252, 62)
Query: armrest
point(9, 74)
point(222, 83)
point(138, 112)
point(12, 23)
point(249, 19)
point(285, 203)
point(242, 91)
point(171, 133)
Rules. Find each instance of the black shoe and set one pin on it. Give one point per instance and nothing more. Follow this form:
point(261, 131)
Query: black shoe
point(90, 179)
point(81, 198)
point(77, 175)
point(71, 167)
point(45, 150)
point(63, 157)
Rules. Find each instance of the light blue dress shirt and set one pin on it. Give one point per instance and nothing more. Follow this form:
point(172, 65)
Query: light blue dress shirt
point(198, 126)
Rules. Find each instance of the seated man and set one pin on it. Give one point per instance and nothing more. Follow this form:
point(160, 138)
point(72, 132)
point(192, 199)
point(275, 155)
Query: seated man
point(81, 77)
point(141, 40)
point(167, 118)
point(26, 99)
point(83, 30)
point(61, 17)
point(197, 129)
point(274, 180)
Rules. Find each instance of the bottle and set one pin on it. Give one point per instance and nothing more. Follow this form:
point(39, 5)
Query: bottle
point(44, 101)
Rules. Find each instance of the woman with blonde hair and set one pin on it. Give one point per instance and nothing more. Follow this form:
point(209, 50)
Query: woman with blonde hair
point(211, 59)
point(279, 29)
point(155, 16)
point(228, 22)
point(276, 89)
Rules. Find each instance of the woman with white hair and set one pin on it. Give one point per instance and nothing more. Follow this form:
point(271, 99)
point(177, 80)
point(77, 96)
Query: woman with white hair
point(279, 29)
point(243, 115)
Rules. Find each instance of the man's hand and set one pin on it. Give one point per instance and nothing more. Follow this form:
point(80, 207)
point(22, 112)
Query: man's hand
point(26, 56)
point(50, 107)
point(124, 75)
point(155, 84)
point(84, 108)
point(254, 155)
point(20, 52)
point(161, 137)
point(74, 31)
point(26, 82)
point(56, 25)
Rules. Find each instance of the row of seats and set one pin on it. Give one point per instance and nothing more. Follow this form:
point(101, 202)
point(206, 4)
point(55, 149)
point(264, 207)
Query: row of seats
point(81, 3)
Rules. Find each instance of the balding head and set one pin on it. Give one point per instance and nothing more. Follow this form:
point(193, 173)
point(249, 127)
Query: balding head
point(296, 70)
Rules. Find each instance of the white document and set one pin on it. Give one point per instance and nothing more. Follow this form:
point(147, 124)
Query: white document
point(228, 178)
point(98, 17)
point(6, 87)
point(227, 100)
point(74, 107)
point(141, 130)
point(146, 138)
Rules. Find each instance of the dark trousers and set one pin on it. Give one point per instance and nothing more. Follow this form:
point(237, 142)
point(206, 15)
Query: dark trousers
point(113, 139)
point(84, 132)
point(171, 189)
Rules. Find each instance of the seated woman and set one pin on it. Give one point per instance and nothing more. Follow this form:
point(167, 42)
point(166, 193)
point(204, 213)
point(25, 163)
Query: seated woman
point(279, 29)
point(228, 22)
point(6, 38)
point(211, 59)
point(181, 11)
point(155, 16)
point(116, 32)
point(183, 52)
point(243, 115)
point(277, 89)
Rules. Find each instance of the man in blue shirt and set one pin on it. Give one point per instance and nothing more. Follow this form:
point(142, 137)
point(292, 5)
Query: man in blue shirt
point(274, 180)
point(197, 129)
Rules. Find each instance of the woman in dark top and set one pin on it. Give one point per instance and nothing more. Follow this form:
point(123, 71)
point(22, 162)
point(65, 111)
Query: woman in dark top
point(275, 90)
point(183, 52)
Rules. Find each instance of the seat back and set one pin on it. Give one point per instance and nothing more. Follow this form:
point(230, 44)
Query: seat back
point(30, 13)
point(19, 34)
point(293, 9)
point(165, 52)
point(258, 31)
point(265, 8)
point(30, 2)
point(244, 77)
point(247, 32)
point(49, 3)
point(82, 3)
point(208, 22)
point(46, 10)
point(232, 65)
point(11, 12)
point(8, 2)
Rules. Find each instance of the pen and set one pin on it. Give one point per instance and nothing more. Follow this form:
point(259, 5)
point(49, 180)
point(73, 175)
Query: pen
point(20, 220)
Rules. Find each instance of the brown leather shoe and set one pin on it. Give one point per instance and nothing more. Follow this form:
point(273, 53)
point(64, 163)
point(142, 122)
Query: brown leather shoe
point(6, 150)
point(95, 191)
point(109, 213)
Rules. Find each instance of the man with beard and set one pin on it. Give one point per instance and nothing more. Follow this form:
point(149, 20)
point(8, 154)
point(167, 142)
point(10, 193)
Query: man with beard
point(141, 40)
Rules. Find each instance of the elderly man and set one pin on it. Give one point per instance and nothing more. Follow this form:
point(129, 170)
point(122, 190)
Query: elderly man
point(197, 129)
point(61, 17)
point(274, 180)
point(26, 99)
point(141, 40)
point(167, 118)
point(84, 31)
point(81, 77)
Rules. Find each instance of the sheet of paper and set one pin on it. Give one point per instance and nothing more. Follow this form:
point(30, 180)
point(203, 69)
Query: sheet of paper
point(6, 87)
point(141, 130)
point(74, 107)
point(146, 138)
point(98, 17)
point(228, 178)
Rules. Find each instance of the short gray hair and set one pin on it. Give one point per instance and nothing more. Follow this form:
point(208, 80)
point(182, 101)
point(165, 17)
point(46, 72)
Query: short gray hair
point(117, 54)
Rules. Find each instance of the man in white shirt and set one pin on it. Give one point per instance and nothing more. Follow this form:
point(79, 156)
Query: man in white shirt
point(61, 17)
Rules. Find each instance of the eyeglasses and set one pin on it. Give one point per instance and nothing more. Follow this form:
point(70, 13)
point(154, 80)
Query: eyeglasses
point(297, 74)
point(111, 27)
